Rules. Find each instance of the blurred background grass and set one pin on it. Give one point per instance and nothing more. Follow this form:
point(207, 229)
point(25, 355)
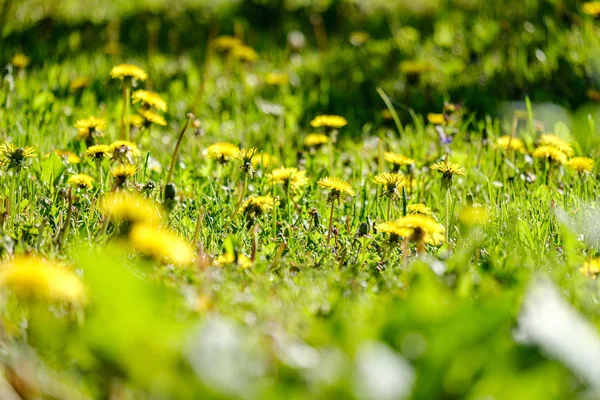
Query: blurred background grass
point(482, 53)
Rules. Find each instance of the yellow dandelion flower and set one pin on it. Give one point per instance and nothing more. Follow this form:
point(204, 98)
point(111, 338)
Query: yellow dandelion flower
point(393, 229)
point(507, 142)
point(81, 181)
point(161, 245)
point(550, 153)
point(68, 156)
point(557, 143)
point(150, 117)
point(20, 61)
point(336, 186)
point(277, 79)
point(328, 121)
point(126, 207)
point(12, 156)
point(226, 43)
point(436, 119)
point(359, 38)
point(78, 83)
point(415, 67)
point(583, 165)
point(591, 268)
point(242, 261)
point(264, 159)
point(98, 152)
point(223, 151)
point(128, 71)
point(124, 150)
point(34, 277)
point(448, 169)
point(419, 209)
point(136, 120)
point(149, 99)
point(474, 215)
point(245, 155)
point(422, 228)
point(90, 128)
point(397, 160)
point(316, 140)
point(255, 206)
point(244, 53)
point(123, 171)
point(391, 183)
point(591, 8)
point(288, 177)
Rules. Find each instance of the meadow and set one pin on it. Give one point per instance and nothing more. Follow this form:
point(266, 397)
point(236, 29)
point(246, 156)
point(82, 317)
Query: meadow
point(299, 199)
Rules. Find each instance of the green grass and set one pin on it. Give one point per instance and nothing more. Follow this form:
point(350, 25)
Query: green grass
point(305, 320)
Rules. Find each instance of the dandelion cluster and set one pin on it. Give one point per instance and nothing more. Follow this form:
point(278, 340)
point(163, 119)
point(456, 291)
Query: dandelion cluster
point(214, 220)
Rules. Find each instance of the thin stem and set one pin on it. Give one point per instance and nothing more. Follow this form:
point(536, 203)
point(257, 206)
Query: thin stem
point(124, 134)
point(363, 251)
point(448, 215)
point(330, 222)
point(421, 246)
point(198, 226)
point(389, 208)
point(289, 212)
point(100, 175)
point(190, 116)
point(13, 195)
point(239, 202)
point(65, 230)
point(405, 251)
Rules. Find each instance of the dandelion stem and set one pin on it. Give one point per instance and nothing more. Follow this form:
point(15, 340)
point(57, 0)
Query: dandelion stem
point(448, 215)
point(330, 222)
point(363, 251)
point(421, 245)
point(404, 202)
point(13, 195)
point(125, 94)
point(405, 251)
point(287, 193)
point(389, 208)
point(198, 226)
point(190, 116)
point(239, 202)
point(65, 230)
point(100, 175)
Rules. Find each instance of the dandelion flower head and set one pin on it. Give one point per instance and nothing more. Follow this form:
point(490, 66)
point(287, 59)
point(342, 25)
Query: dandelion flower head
point(591, 268)
point(35, 277)
point(161, 244)
point(223, 151)
point(397, 160)
point(133, 208)
point(316, 140)
point(507, 142)
point(81, 181)
point(128, 71)
point(550, 153)
point(328, 121)
point(581, 164)
point(291, 177)
point(149, 99)
point(336, 186)
point(557, 143)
